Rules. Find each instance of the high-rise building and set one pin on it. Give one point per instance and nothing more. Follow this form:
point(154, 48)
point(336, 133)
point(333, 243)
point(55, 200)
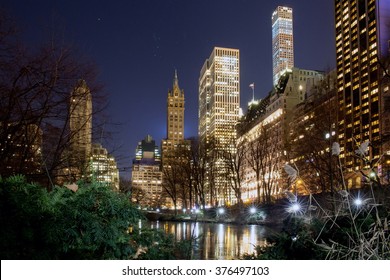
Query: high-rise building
point(104, 167)
point(80, 127)
point(175, 118)
point(282, 41)
point(219, 105)
point(146, 175)
point(362, 34)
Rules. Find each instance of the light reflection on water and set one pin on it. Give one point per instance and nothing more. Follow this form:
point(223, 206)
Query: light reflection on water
point(217, 241)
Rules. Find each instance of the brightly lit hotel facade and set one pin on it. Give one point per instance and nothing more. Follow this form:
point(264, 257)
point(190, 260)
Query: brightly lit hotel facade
point(219, 105)
point(265, 131)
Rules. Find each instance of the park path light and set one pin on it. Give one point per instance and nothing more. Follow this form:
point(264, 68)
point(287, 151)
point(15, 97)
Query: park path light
point(252, 210)
point(358, 202)
point(294, 208)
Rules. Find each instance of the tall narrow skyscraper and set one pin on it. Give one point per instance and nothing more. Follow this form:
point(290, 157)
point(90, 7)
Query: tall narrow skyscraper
point(219, 104)
point(175, 118)
point(362, 35)
point(80, 127)
point(282, 41)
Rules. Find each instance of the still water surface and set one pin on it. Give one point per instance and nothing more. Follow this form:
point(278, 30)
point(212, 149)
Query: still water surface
point(215, 241)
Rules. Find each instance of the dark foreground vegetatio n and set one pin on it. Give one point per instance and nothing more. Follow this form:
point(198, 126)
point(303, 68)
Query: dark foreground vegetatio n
point(90, 221)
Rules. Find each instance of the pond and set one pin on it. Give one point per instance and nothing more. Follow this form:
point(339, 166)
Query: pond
point(217, 241)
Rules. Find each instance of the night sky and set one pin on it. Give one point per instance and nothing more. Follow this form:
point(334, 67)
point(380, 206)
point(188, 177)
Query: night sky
point(138, 44)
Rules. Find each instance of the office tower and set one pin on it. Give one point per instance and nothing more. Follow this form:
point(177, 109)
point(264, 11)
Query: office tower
point(219, 104)
point(282, 41)
point(104, 167)
point(146, 174)
point(80, 126)
point(362, 35)
point(175, 118)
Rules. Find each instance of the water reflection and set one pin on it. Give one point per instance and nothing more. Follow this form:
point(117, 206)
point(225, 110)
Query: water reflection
point(217, 241)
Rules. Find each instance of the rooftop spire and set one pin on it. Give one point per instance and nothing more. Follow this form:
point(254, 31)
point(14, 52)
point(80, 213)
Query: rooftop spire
point(176, 80)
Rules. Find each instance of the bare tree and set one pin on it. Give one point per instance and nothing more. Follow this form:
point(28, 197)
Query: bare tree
point(202, 158)
point(138, 195)
point(124, 185)
point(269, 161)
point(313, 131)
point(172, 179)
point(35, 110)
point(234, 157)
point(254, 157)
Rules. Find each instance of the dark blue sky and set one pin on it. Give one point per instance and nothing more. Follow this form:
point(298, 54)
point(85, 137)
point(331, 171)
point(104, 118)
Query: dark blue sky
point(137, 45)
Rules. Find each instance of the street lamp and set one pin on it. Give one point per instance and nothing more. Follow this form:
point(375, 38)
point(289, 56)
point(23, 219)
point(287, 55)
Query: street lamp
point(221, 211)
point(358, 202)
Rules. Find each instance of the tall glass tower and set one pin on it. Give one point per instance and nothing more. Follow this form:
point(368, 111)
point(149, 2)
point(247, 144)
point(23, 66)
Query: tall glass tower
point(282, 41)
point(219, 104)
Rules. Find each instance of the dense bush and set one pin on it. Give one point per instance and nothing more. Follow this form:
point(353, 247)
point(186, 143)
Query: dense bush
point(93, 222)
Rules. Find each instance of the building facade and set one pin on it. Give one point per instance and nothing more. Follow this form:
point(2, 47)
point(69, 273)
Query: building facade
point(265, 132)
point(175, 118)
point(219, 105)
point(282, 41)
point(313, 130)
point(80, 136)
point(103, 166)
point(362, 35)
point(146, 175)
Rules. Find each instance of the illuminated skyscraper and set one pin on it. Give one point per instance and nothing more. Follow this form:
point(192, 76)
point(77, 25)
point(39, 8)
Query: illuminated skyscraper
point(362, 34)
point(175, 118)
point(282, 41)
point(146, 174)
point(104, 167)
point(219, 104)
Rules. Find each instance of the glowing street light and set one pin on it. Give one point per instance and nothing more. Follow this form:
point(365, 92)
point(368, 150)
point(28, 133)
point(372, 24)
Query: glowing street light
point(294, 208)
point(358, 202)
point(252, 210)
point(221, 211)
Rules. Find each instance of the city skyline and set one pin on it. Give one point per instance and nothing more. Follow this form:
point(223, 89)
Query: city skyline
point(170, 35)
